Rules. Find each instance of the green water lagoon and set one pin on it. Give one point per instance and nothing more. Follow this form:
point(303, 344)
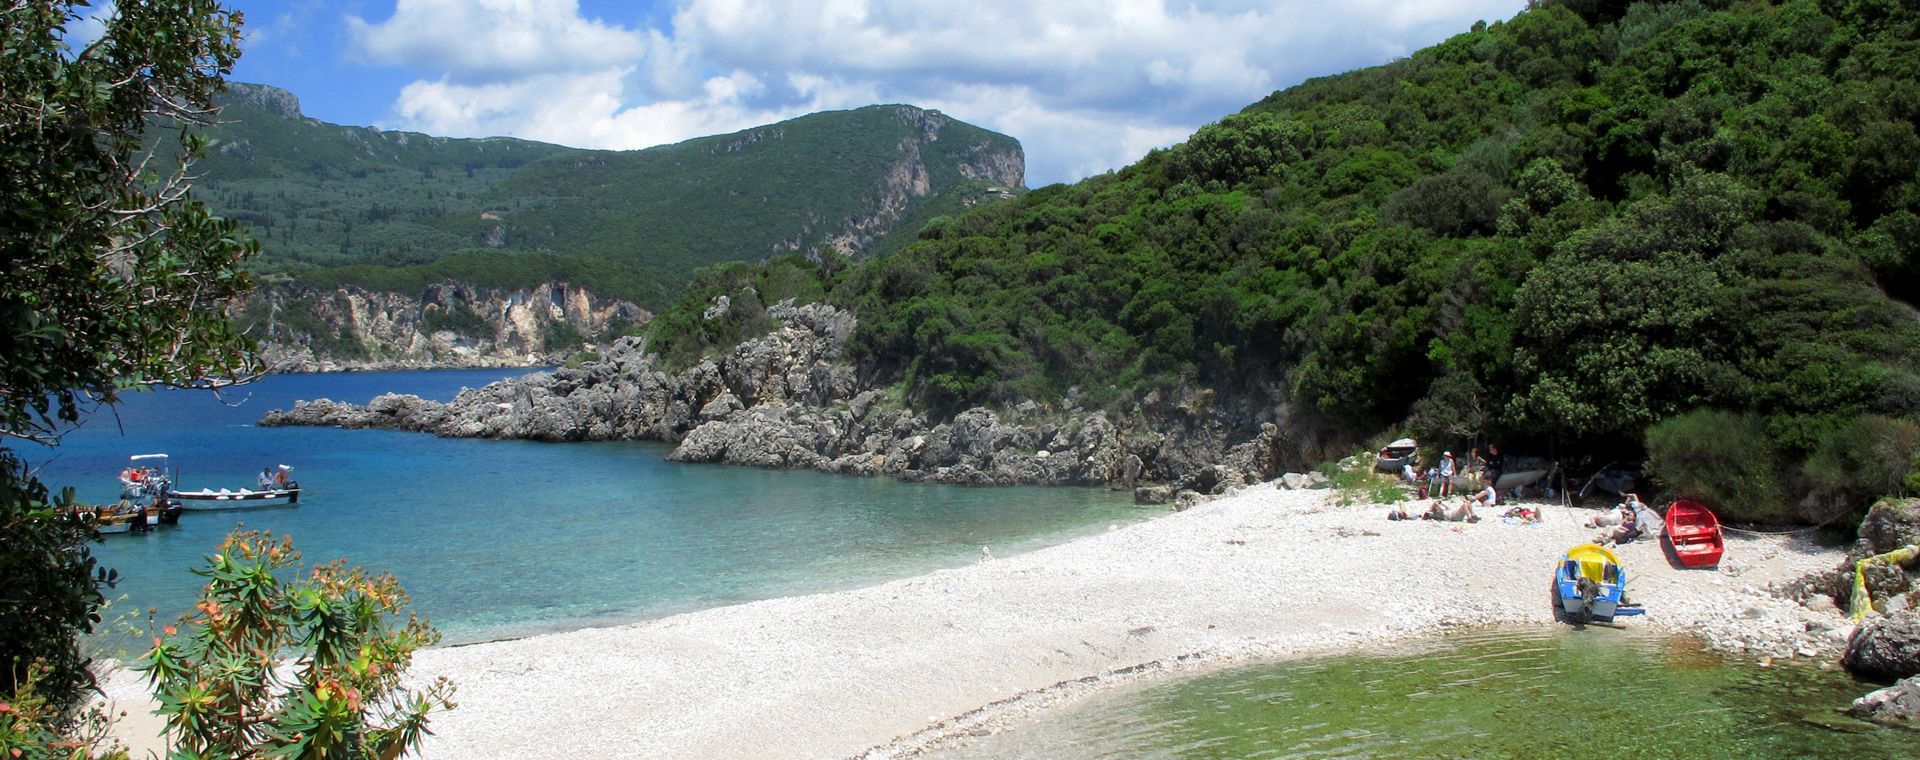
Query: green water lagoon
point(1535, 693)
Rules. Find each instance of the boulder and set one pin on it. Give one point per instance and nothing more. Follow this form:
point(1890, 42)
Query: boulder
point(1886, 647)
point(1891, 524)
point(1294, 480)
point(1152, 494)
point(1899, 703)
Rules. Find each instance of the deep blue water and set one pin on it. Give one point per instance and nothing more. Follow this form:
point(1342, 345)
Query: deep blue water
point(501, 538)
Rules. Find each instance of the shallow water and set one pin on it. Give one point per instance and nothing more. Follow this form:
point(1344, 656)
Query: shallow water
point(1545, 693)
point(503, 538)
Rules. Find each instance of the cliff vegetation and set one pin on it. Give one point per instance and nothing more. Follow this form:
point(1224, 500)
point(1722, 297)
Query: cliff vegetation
point(1577, 230)
point(338, 206)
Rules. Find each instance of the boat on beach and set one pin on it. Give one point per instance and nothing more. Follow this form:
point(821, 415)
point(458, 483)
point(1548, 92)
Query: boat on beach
point(1398, 456)
point(1590, 586)
point(1694, 533)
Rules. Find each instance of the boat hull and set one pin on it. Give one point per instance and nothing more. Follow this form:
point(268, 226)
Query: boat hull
point(205, 501)
point(1694, 533)
point(1589, 585)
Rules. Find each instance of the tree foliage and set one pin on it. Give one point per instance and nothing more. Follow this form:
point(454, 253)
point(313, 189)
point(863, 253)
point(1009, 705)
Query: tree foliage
point(111, 277)
point(275, 662)
point(1566, 227)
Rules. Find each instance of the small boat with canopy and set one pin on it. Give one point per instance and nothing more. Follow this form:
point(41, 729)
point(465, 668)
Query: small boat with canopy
point(1590, 586)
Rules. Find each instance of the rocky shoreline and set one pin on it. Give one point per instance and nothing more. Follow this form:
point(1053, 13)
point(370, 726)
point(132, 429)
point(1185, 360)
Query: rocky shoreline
point(792, 399)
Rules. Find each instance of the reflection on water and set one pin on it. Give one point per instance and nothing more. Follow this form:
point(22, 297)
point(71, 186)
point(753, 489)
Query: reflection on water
point(1490, 694)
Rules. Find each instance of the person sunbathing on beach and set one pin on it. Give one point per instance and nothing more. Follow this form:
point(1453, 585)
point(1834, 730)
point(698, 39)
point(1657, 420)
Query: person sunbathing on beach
point(1616, 516)
point(1627, 530)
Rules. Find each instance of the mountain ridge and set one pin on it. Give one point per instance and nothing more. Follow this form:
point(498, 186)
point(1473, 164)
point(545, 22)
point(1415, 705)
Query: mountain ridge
point(374, 202)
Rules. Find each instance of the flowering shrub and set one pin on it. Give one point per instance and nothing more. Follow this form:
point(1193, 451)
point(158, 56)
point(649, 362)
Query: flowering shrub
point(272, 664)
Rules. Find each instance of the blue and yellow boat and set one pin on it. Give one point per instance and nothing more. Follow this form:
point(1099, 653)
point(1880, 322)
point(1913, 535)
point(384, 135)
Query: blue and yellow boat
point(1590, 586)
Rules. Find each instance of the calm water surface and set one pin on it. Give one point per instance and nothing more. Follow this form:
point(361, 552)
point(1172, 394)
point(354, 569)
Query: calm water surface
point(1538, 693)
point(501, 538)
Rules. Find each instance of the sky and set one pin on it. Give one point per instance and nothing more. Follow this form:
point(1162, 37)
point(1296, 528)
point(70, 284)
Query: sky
point(1087, 86)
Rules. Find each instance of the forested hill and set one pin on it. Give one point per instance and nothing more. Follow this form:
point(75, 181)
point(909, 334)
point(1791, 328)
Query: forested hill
point(337, 205)
point(1566, 229)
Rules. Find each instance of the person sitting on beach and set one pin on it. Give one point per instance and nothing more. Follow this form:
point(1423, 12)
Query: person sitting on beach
point(1487, 496)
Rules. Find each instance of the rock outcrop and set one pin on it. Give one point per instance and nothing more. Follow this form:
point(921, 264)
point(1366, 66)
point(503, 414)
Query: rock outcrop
point(791, 399)
point(1889, 525)
point(446, 325)
point(1886, 647)
point(1899, 703)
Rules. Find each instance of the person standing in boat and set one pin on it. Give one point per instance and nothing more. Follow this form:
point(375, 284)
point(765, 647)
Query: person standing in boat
point(266, 479)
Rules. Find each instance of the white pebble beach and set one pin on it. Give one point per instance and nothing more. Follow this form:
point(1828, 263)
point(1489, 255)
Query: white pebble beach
point(895, 669)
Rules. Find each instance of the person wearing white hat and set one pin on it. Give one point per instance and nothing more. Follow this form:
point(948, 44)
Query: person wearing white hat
point(1446, 474)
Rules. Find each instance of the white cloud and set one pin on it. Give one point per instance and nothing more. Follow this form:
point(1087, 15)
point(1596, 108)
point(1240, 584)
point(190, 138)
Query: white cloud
point(487, 41)
point(1086, 85)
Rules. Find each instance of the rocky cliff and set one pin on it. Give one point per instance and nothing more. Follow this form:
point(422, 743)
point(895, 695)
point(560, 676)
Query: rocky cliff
point(305, 329)
point(909, 179)
point(790, 399)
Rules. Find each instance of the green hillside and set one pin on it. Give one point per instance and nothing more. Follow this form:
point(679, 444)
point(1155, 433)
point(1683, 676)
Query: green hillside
point(1589, 228)
point(334, 204)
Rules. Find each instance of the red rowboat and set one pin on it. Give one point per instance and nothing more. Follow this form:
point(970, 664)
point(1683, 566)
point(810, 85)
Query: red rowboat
point(1695, 534)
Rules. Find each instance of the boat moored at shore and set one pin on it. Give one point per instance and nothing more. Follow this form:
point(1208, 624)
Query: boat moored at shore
point(1590, 586)
point(1694, 533)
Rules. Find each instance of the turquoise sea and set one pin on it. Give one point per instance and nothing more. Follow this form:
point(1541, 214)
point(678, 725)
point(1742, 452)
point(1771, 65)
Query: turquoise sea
point(503, 538)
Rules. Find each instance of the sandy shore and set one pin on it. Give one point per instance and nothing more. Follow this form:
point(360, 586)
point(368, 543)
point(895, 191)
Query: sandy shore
point(895, 668)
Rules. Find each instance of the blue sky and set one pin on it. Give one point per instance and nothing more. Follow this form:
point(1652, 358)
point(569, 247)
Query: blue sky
point(1086, 85)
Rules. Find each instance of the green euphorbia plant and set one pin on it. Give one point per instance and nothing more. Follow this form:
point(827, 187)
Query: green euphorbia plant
point(273, 664)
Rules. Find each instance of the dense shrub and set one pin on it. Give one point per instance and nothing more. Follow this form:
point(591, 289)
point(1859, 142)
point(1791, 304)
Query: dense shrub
point(279, 660)
point(1865, 458)
point(50, 589)
point(1725, 459)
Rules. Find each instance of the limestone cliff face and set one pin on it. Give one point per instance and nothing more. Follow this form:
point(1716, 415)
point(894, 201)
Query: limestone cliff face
point(910, 179)
point(272, 99)
point(305, 329)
